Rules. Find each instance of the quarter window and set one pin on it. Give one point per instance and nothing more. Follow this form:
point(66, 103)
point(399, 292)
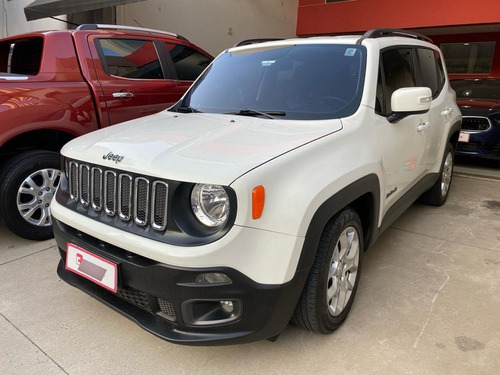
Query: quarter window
point(131, 58)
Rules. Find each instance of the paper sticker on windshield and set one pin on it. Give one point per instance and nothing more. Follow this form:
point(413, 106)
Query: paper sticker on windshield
point(350, 52)
point(267, 62)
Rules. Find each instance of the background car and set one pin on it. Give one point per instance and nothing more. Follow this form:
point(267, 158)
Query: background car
point(58, 85)
point(479, 102)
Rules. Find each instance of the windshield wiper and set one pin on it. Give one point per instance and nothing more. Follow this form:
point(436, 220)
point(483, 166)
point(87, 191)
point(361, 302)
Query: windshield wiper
point(252, 112)
point(186, 109)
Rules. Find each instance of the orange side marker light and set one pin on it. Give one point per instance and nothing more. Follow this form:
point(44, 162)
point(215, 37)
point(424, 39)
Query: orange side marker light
point(258, 200)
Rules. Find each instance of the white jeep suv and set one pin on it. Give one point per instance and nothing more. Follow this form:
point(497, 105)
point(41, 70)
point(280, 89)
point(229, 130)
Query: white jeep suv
point(250, 202)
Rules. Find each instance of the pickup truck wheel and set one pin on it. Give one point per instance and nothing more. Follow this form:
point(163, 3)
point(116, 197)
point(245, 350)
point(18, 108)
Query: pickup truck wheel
point(438, 193)
point(29, 182)
point(333, 280)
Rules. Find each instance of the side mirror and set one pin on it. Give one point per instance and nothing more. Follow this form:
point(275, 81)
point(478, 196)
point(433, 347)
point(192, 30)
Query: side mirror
point(409, 101)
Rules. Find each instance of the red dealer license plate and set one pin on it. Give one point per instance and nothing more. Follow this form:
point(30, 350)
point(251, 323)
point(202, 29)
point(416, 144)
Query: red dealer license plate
point(94, 268)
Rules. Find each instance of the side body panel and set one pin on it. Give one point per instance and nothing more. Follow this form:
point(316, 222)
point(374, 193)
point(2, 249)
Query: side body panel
point(57, 98)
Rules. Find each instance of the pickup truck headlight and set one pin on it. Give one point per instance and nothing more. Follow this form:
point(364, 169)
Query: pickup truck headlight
point(210, 205)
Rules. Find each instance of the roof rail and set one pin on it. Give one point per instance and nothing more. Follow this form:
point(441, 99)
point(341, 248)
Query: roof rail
point(378, 33)
point(254, 41)
point(96, 26)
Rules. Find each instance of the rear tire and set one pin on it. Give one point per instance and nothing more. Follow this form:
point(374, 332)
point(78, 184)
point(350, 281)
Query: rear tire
point(333, 280)
point(438, 193)
point(29, 181)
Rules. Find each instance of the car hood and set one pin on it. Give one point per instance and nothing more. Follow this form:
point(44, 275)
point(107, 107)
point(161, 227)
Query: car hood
point(475, 105)
point(195, 147)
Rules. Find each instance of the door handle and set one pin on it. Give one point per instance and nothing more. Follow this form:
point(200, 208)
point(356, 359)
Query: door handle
point(122, 94)
point(423, 126)
point(447, 111)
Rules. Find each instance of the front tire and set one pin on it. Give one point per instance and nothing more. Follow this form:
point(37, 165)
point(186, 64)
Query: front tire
point(28, 184)
point(333, 280)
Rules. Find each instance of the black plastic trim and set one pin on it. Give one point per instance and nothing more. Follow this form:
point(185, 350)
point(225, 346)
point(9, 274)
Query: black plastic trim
point(385, 32)
point(454, 134)
point(397, 116)
point(403, 203)
point(247, 42)
point(364, 196)
point(263, 311)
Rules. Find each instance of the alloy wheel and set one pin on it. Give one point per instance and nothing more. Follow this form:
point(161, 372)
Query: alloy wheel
point(343, 271)
point(34, 196)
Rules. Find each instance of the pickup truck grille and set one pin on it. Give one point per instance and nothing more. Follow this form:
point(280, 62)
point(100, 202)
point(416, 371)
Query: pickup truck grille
point(138, 198)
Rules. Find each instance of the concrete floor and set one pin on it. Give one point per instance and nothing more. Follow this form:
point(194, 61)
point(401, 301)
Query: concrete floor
point(428, 303)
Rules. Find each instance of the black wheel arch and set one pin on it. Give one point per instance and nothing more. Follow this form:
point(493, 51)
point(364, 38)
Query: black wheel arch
point(42, 139)
point(363, 196)
point(454, 134)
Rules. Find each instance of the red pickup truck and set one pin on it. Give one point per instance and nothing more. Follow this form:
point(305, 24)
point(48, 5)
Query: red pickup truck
point(57, 85)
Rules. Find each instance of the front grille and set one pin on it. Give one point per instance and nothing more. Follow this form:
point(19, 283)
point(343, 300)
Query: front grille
point(141, 198)
point(110, 193)
point(166, 309)
point(159, 306)
point(125, 196)
point(475, 124)
point(159, 207)
point(84, 191)
point(135, 297)
point(96, 188)
point(138, 198)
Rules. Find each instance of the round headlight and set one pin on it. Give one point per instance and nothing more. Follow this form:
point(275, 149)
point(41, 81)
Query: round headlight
point(210, 204)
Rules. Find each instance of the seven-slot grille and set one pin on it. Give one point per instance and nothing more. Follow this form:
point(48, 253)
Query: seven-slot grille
point(139, 198)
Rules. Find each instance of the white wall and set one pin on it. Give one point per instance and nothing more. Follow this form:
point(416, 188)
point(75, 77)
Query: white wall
point(214, 25)
point(13, 20)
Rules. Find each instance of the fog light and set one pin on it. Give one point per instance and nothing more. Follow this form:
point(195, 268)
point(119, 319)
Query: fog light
point(212, 278)
point(211, 312)
point(227, 307)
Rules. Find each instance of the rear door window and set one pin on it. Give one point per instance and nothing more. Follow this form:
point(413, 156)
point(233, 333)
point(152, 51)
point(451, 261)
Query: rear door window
point(134, 78)
point(430, 70)
point(131, 58)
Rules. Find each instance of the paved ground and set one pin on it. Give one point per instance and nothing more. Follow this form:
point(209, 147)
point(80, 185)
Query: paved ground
point(428, 303)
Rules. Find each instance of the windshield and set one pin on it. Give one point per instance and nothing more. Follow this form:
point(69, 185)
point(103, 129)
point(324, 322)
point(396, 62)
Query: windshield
point(293, 82)
point(477, 89)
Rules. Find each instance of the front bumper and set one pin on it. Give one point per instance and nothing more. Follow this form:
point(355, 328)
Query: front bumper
point(477, 149)
point(167, 301)
point(483, 144)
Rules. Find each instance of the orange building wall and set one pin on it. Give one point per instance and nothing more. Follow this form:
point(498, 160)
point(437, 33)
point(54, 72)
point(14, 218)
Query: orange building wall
point(316, 17)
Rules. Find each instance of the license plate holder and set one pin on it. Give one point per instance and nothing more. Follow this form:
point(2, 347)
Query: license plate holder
point(464, 137)
point(92, 267)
